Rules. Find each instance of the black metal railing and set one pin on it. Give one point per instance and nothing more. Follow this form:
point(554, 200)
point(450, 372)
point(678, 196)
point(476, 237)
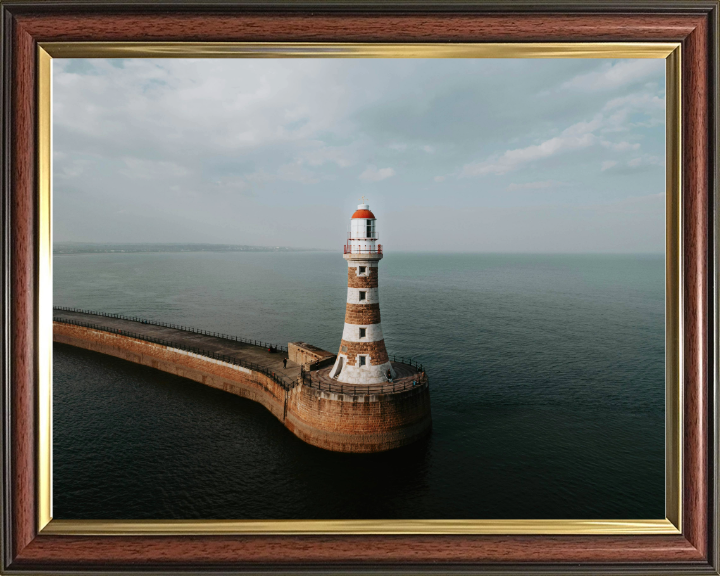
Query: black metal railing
point(312, 379)
point(286, 383)
point(409, 362)
point(307, 377)
point(250, 341)
point(349, 249)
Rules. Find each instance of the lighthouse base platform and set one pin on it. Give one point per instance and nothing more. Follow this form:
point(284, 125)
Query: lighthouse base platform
point(407, 377)
point(358, 417)
point(362, 417)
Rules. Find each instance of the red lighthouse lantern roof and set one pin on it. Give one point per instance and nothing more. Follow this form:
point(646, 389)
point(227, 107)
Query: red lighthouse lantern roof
point(363, 214)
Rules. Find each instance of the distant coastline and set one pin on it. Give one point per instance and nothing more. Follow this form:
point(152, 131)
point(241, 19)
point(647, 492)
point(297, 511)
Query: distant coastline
point(108, 248)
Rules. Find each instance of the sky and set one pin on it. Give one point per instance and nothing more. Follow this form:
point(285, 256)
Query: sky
point(460, 155)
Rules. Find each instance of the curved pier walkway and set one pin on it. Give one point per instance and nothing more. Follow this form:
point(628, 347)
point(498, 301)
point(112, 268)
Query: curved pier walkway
point(243, 351)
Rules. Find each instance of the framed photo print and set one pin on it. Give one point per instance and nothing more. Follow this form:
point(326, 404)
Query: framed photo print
point(359, 287)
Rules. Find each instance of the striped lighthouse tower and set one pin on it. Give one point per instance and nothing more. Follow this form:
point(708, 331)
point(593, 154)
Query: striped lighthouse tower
point(362, 358)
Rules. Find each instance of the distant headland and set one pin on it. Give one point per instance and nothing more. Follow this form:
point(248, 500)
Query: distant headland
point(109, 248)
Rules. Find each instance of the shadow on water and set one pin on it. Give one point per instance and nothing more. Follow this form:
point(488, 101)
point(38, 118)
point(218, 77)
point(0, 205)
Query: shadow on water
point(156, 445)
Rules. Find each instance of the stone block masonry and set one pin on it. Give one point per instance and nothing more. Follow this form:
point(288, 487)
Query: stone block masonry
point(382, 423)
point(369, 281)
point(337, 422)
point(376, 350)
point(306, 354)
point(362, 314)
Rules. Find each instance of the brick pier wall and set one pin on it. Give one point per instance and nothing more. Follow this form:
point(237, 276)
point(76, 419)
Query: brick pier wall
point(234, 379)
point(337, 422)
point(345, 423)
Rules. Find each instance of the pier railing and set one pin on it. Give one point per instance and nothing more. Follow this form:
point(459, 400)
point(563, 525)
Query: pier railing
point(312, 379)
point(286, 383)
point(409, 362)
point(308, 378)
point(259, 343)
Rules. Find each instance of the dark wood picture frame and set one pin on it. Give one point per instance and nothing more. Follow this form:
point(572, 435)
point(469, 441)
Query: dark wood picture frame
point(693, 23)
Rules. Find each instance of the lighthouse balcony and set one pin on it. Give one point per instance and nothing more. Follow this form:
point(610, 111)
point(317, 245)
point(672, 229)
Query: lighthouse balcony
point(363, 256)
point(361, 250)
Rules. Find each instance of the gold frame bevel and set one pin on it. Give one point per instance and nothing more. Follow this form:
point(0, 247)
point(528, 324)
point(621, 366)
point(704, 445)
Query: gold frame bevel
point(670, 51)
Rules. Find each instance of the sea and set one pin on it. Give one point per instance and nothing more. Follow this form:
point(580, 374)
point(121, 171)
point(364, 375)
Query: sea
point(546, 383)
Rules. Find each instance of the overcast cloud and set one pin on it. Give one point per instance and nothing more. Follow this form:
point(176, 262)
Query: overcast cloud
point(453, 155)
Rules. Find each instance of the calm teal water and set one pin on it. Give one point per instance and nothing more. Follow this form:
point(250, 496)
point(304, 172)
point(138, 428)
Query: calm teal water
point(546, 384)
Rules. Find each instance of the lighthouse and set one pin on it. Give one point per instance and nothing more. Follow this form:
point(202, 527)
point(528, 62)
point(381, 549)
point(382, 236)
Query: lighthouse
point(360, 401)
point(362, 358)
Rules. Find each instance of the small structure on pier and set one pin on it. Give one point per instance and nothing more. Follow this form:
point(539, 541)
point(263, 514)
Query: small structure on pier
point(307, 355)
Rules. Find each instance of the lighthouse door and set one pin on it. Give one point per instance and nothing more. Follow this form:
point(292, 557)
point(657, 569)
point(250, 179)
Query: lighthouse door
point(339, 368)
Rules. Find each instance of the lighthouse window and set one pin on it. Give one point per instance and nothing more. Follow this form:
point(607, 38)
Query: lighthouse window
point(362, 295)
point(361, 269)
point(362, 360)
point(362, 332)
point(369, 229)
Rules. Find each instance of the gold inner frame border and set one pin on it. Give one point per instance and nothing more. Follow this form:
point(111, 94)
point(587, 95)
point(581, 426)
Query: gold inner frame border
point(670, 51)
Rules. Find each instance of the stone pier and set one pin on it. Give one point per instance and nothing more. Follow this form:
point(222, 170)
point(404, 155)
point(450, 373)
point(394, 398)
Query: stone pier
point(314, 408)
